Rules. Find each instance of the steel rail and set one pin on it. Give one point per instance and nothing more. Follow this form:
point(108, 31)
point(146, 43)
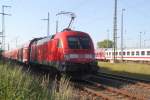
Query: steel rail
point(125, 79)
point(131, 79)
point(117, 91)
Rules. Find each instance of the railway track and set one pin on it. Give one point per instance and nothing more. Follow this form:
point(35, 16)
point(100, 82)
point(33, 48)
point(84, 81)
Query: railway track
point(100, 91)
point(130, 79)
point(138, 82)
point(130, 85)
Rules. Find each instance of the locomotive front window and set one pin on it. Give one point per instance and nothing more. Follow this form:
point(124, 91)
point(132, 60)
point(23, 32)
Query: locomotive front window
point(79, 42)
point(85, 42)
point(73, 43)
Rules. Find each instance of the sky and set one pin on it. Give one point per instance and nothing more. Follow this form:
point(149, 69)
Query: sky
point(92, 16)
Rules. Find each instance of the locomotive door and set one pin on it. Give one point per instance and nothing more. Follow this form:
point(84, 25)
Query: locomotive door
point(21, 55)
point(35, 51)
point(33, 54)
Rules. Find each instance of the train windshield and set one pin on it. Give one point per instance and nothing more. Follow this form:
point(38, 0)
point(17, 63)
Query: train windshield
point(75, 42)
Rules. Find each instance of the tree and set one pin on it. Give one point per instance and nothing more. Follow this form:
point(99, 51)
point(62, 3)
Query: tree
point(105, 44)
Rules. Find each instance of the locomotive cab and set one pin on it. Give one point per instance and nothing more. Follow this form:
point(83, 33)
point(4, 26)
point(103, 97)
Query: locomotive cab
point(78, 52)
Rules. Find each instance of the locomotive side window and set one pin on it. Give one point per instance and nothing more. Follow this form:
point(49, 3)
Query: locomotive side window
point(142, 52)
point(59, 45)
point(79, 43)
point(148, 52)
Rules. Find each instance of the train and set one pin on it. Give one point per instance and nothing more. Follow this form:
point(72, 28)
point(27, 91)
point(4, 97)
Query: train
point(68, 51)
point(138, 54)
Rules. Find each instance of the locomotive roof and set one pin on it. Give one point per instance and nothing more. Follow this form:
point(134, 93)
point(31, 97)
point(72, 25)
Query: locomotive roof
point(46, 38)
point(71, 32)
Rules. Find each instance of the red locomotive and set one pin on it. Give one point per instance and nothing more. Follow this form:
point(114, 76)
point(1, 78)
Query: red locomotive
point(66, 51)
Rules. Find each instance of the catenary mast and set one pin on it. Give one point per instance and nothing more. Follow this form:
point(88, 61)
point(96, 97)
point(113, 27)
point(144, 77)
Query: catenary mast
point(115, 31)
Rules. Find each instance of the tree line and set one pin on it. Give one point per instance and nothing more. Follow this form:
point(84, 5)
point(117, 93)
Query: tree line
point(105, 44)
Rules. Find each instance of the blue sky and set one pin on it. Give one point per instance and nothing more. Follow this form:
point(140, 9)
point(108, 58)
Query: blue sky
point(93, 16)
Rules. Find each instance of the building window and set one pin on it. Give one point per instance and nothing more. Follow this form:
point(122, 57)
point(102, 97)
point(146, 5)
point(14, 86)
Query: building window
point(142, 52)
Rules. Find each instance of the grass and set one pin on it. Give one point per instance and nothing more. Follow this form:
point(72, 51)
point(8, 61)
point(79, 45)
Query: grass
point(128, 69)
point(16, 84)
